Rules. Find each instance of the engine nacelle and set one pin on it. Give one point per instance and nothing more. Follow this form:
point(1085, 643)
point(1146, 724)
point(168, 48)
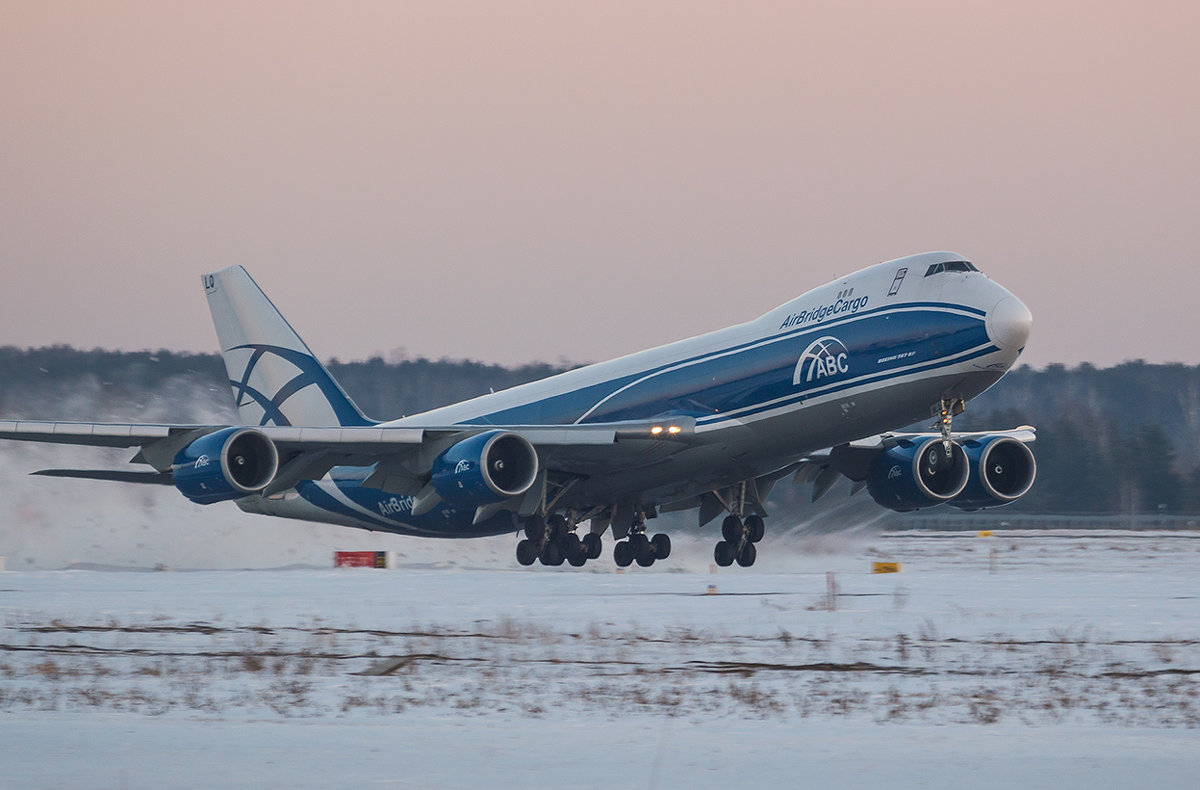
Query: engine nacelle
point(912, 475)
point(486, 468)
point(226, 464)
point(1002, 470)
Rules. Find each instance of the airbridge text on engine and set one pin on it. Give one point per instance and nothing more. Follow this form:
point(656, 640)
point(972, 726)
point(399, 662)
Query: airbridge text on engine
point(824, 311)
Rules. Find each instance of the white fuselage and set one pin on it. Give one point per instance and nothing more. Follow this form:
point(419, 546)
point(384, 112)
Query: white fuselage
point(870, 352)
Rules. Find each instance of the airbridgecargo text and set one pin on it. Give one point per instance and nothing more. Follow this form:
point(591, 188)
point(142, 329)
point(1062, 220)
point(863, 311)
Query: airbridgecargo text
point(824, 311)
point(395, 506)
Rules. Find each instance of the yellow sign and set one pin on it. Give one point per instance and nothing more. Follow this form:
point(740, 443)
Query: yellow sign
point(885, 567)
point(985, 533)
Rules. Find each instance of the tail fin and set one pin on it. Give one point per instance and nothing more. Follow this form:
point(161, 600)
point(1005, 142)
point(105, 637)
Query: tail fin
point(276, 380)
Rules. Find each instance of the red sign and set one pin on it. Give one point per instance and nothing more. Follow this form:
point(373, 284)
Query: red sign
point(360, 559)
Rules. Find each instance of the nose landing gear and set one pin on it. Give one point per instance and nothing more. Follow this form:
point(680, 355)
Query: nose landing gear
point(739, 532)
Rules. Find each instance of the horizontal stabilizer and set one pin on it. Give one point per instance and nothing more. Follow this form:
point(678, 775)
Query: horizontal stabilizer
point(156, 478)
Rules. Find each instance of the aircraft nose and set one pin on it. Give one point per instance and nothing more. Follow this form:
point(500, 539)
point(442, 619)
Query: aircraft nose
point(1008, 323)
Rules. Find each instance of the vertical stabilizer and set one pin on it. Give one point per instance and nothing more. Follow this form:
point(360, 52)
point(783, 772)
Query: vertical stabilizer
point(276, 380)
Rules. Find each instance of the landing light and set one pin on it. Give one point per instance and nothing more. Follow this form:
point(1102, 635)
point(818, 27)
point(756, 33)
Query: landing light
point(673, 429)
point(656, 430)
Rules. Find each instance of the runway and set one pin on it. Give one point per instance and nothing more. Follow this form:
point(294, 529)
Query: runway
point(1002, 659)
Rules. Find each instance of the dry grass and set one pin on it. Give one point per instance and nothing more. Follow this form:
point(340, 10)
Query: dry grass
point(514, 665)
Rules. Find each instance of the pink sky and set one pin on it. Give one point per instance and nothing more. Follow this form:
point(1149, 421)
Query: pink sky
point(526, 181)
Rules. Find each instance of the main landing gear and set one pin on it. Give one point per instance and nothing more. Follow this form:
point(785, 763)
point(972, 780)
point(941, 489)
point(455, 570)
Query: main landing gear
point(739, 539)
point(638, 547)
point(641, 549)
point(553, 541)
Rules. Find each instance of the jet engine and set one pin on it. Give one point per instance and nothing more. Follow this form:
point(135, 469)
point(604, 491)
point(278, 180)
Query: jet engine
point(1002, 470)
point(486, 468)
point(226, 464)
point(914, 474)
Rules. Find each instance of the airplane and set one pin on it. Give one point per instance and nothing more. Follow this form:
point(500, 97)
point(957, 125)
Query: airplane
point(815, 388)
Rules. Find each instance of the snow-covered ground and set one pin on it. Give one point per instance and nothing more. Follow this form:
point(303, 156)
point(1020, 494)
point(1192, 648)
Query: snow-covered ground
point(1024, 659)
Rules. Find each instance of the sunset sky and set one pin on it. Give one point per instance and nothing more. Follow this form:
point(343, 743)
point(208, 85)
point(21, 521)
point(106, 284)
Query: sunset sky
point(520, 181)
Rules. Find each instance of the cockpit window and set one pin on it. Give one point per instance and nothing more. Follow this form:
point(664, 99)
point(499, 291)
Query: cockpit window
point(952, 266)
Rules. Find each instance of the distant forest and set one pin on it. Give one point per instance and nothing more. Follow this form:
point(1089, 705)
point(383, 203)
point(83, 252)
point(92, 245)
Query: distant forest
point(1124, 439)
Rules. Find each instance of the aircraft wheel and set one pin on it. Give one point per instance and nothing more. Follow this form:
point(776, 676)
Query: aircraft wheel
point(723, 554)
point(577, 560)
point(592, 545)
point(662, 546)
point(731, 529)
point(527, 552)
point(572, 547)
point(552, 554)
point(622, 554)
point(756, 528)
point(746, 558)
point(557, 525)
point(639, 543)
point(535, 528)
point(644, 553)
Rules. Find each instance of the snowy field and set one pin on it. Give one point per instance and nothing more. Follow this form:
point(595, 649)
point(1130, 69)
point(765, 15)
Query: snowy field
point(1026, 659)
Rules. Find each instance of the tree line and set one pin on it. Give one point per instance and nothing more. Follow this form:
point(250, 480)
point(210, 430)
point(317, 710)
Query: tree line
point(1124, 439)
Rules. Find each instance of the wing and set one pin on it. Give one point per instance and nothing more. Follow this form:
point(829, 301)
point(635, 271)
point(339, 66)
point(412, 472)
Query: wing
point(402, 455)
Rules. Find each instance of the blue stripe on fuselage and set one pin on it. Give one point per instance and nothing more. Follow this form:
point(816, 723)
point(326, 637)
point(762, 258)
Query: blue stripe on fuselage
point(733, 383)
point(746, 377)
point(857, 383)
point(393, 513)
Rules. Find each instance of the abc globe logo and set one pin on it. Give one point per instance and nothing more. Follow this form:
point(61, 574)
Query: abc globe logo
point(824, 358)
